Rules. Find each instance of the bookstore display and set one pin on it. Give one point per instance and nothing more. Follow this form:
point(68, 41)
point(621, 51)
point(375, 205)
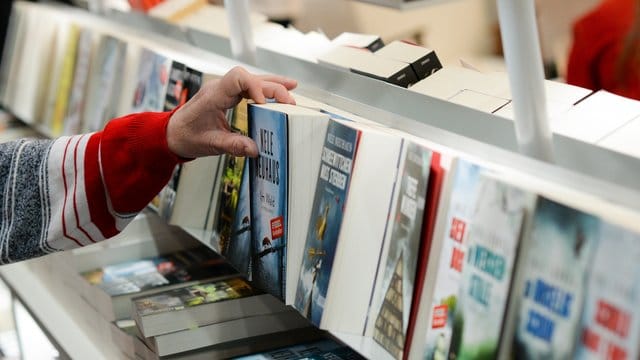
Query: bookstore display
point(342, 227)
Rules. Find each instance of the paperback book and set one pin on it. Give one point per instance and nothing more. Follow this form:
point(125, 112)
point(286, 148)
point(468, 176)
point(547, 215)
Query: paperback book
point(230, 187)
point(447, 278)
point(114, 285)
point(338, 155)
point(610, 324)
point(391, 301)
point(200, 305)
point(552, 281)
point(268, 184)
point(492, 241)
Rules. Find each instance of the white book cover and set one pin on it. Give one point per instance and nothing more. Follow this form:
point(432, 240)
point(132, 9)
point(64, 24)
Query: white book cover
point(610, 326)
point(492, 240)
point(448, 276)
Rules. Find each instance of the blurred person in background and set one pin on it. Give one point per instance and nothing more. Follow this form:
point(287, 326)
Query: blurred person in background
point(606, 49)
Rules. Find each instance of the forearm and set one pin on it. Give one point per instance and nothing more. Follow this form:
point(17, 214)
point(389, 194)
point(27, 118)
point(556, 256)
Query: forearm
point(74, 191)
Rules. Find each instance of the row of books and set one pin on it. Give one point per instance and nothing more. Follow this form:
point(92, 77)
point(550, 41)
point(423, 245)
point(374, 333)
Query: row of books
point(154, 292)
point(428, 252)
point(360, 228)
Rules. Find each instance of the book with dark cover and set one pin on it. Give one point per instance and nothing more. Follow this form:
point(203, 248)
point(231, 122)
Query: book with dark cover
point(394, 288)
point(269, 186)
point(229, 244)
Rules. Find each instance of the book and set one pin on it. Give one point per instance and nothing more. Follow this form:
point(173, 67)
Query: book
point(289, 141)
point(131, 63)
point(152, 82)
point(72, 122)
point(320, 349)
point(351, 203)
point(609, 326)
point(391, 300)
point(364, 41)
point(423, 61)
point(218, 334)
point(239, 250)
point(117, 283)
point(443, 275)
point(551, 280)
point(326, 218)
point(105, 74)
point(492, 240)
point(64, 82)
point(364, 62)
point(199, 305)
point(440, 164)
point(29, 71)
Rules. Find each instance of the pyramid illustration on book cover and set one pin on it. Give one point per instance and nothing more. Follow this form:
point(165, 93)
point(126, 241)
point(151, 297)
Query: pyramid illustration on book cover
point(388, 332)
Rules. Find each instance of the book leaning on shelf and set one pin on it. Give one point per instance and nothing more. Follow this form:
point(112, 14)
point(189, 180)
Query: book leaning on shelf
point(289, 140)
point(468, 275)
point(393, 290)
point(347, 225)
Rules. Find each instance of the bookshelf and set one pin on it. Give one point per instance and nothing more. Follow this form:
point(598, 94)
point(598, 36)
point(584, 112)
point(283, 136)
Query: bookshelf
point(580, 166)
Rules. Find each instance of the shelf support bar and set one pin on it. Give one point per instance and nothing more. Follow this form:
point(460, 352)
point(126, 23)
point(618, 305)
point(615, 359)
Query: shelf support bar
point(242, 46)
point(522, 54)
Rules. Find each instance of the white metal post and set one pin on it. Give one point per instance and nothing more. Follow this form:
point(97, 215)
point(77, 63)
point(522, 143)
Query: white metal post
point(242, 46)
point(522, 54)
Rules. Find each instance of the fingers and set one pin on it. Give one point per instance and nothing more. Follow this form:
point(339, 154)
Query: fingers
point(238, 81)
point(290, 84)
point(278, 92)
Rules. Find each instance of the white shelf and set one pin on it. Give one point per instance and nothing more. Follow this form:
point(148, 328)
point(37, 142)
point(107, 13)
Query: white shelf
point(54, 314)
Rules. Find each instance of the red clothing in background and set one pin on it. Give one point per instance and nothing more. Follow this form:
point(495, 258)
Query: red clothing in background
point(598, 41)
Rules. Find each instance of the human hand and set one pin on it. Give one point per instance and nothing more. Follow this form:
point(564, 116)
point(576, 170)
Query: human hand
point(199, 128)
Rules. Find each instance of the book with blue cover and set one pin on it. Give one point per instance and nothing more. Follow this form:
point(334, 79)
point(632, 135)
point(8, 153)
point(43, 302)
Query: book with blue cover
point(550, 294)
point(268, 183)
point(338, 155)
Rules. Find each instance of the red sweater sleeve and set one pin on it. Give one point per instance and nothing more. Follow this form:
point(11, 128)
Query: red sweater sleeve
point(130, 158)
